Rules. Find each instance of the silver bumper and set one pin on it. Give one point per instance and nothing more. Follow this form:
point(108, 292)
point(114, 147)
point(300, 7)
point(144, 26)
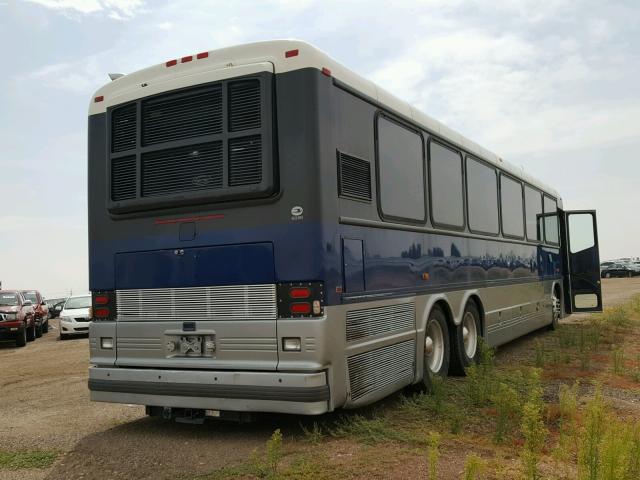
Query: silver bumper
point(298, 393)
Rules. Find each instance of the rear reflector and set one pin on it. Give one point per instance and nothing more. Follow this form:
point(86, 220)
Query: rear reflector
point(186, 59)
point(291, 53)
point(98, 99)
point(301, 308)
point(300, 292)
point(171, 63)
point(202, 55)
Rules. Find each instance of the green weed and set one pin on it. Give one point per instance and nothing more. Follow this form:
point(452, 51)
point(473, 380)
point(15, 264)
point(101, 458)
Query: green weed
point(433, 454)
point(473, 466)
point(315, 434)
point(533, 428)
point(590, 447)
point(617, 358)
point(481, 378)
point(507, 405)
point(26, 459)
point(540, 354)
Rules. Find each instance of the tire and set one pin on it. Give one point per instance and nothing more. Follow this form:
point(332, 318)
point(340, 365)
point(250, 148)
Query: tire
point(45, 326)
point(38, 331)
point(436, 349)
point(465, 342)
point(31, 332)
point(607, 275)
point(62, 337)
point(21, 337)
point(556, 310)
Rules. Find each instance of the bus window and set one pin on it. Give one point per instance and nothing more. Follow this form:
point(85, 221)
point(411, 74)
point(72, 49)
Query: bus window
point(511, 205)
point(533, 212)
point(550, 220)
point(482, 192)
point(446, 186)
point(401, 172)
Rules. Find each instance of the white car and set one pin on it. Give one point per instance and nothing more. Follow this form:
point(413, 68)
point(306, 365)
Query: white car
point(75, 316)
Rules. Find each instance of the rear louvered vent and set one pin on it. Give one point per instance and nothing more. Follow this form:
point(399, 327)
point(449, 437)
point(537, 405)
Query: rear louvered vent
point(180, 170)
point(378, 321)
point(176, 117)
point(390, 366)
point(354, 177)
point(245, 161)
point(123, 178)
point(123, 128)
point(244, 105)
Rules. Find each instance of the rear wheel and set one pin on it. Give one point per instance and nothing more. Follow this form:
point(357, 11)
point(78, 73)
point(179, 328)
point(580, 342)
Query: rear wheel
point(39, 331)
point(556, 309)
point(31, 332)
point(436, 351)
point(45, 326)
point(21, 337)
point(465, 347)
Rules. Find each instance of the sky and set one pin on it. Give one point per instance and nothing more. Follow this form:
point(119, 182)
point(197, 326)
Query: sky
point(552, 86)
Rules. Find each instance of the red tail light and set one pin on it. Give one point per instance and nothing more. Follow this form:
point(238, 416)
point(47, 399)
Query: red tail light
point(202, 55)
point(300, 308)
point(171, 63)
point(186, 59)
point(299, 292)
point(291, 53)
point(100, 299)
point(101, 312)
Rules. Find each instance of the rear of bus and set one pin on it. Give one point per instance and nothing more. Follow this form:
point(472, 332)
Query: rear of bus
point(206, 247)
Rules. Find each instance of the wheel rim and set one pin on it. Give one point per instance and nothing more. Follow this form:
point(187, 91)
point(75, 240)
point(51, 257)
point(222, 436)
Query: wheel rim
point(555, 305)
point(469, 334)
point(434, 347)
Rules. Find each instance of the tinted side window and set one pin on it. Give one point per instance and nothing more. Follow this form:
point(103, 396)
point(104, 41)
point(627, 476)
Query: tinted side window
point(482, 194)
point(533, 213)
point(446, 186)
point(550, 220)
point(511, 204)
point(401, 172)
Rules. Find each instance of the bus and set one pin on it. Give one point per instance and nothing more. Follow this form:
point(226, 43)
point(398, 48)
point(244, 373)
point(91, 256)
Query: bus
point(270, 232)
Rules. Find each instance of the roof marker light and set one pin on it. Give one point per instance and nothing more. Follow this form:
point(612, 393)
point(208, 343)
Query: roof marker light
point(171, 63)
point(186, 59)
point(98, 99)
point(326, 71)
point(291, 53)
point(202, 55)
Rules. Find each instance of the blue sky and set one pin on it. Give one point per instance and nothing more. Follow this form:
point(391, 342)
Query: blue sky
point(553, 86)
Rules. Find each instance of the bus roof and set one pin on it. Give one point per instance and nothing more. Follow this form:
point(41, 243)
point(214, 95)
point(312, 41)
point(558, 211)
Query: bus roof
point(285, 56)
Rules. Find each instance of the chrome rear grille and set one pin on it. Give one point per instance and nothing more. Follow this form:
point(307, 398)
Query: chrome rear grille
point(231, 302)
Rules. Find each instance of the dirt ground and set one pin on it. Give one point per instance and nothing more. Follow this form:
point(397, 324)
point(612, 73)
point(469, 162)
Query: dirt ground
point(44, 405)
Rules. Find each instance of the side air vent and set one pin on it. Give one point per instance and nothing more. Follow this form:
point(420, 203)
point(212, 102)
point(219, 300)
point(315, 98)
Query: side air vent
point(123, 178)
point(244, 105)
point(123, 128)
point(183, 169)
point(245, 161)
point(374, 371)
point(354, 177)
point(178, 116)
point(381, 320)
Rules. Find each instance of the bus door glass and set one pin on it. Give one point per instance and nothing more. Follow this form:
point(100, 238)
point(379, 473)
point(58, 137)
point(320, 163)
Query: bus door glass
point(583, 261)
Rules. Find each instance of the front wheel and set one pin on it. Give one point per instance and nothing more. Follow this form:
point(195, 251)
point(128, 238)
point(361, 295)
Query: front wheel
point(21, 337)
point(45, 326)
point(436, 351)
point(556, 310)
point(466, 351)
point(31, 332)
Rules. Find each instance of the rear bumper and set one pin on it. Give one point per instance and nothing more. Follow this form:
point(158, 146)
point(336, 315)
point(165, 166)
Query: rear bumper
point(298, 393)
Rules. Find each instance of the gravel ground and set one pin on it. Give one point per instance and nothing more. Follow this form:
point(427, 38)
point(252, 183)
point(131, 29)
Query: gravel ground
point(44, 405)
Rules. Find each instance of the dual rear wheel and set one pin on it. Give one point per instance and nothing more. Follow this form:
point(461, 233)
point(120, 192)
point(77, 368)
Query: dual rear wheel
point(450, 349)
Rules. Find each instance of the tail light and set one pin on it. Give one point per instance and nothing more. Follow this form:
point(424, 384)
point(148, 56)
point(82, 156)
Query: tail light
point(103, 305)
point(304, 299)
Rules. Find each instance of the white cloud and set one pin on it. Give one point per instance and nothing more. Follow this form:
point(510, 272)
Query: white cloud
point(115, 9)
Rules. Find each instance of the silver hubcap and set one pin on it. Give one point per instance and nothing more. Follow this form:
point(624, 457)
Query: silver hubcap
point(556, 307)
point(469, 335)
point(434, 347)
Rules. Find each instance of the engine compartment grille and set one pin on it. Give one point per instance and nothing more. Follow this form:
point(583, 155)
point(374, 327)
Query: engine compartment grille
point(230, 302)
point(199, 144)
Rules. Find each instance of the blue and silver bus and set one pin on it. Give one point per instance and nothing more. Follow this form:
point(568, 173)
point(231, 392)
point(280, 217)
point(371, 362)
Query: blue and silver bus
point(270, 232)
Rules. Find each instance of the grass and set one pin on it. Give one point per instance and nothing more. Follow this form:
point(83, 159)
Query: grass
point(527, 418)
point(27, 459)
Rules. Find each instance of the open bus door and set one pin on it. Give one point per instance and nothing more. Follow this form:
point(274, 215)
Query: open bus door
point(581, 261)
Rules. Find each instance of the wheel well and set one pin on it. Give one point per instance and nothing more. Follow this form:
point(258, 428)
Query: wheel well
point(475, 299)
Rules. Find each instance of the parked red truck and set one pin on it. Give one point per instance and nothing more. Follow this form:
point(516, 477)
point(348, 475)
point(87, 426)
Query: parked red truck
point(41, 310)
point(17, 317)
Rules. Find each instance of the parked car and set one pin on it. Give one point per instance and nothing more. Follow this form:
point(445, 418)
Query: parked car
point(75, 316)
point(55, 306)
point(17, 317)
point(617, 270)
point(41, 310)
